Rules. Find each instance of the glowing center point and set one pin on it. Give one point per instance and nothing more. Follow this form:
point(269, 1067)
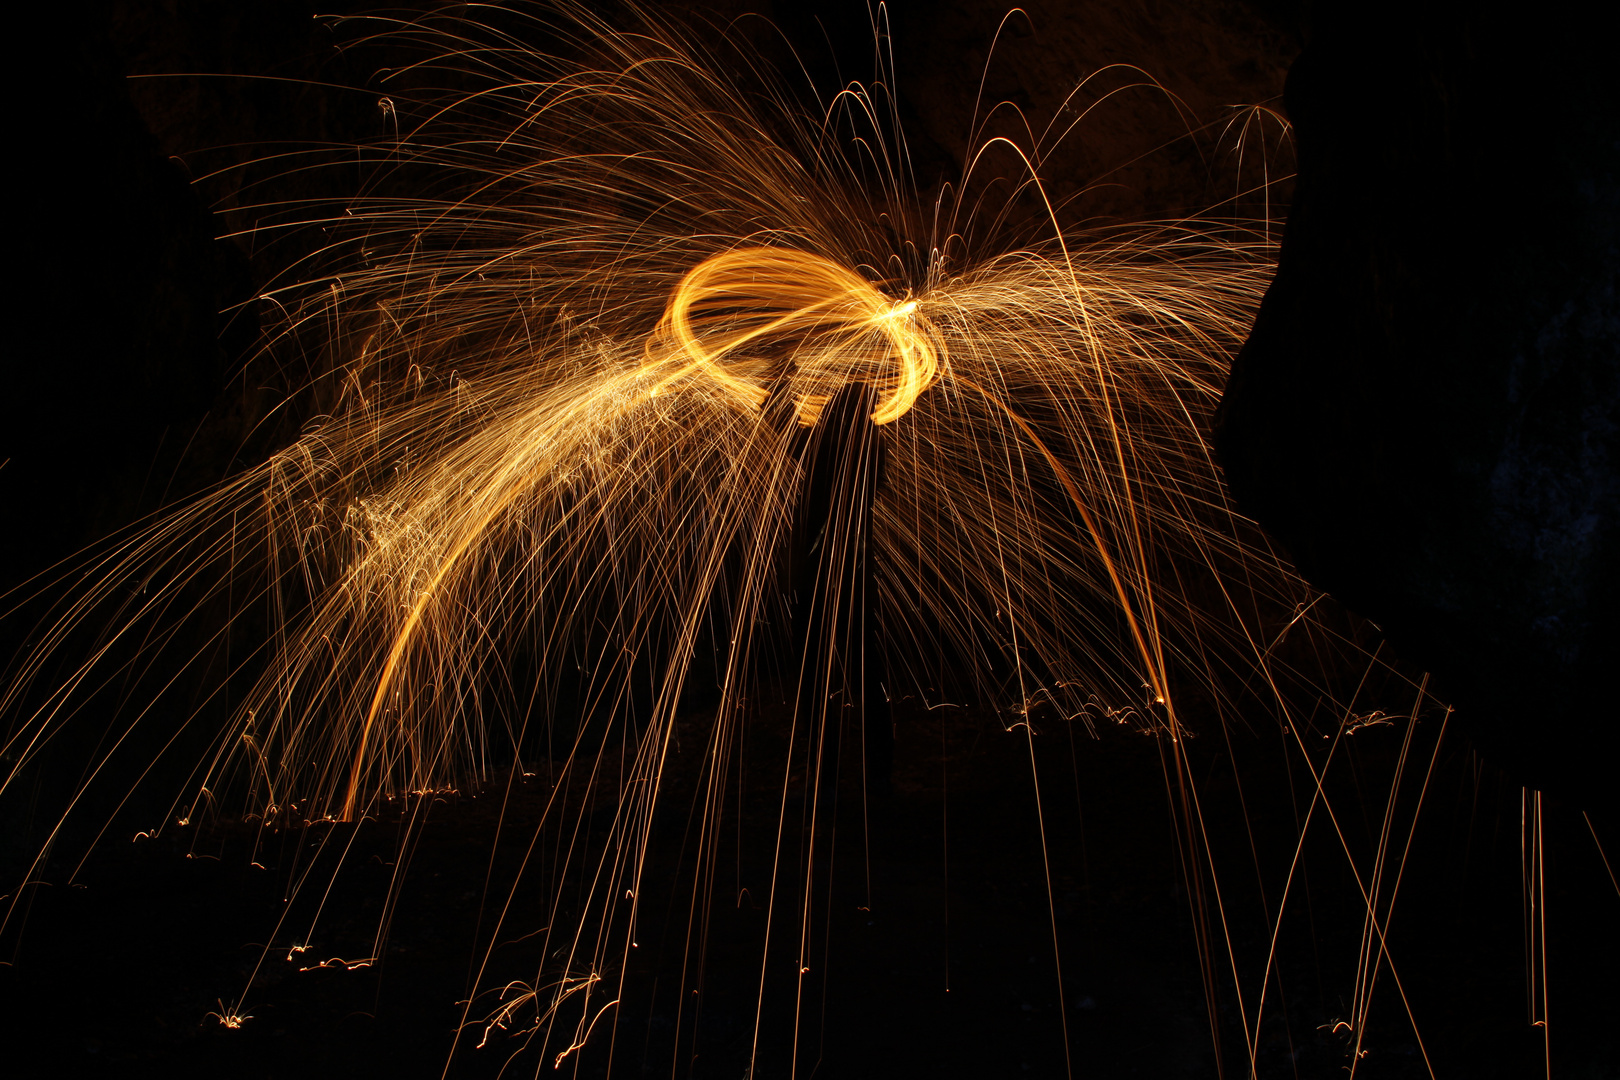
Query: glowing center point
point(752, 318)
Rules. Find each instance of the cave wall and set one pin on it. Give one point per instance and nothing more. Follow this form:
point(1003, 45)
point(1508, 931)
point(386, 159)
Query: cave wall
point(1426, 412)
point(116, 347)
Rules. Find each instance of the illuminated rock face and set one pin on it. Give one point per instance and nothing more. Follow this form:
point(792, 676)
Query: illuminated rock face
point(1426, 413)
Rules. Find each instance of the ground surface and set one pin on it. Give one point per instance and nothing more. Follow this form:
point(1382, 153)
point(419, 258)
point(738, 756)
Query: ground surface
point(950, 972)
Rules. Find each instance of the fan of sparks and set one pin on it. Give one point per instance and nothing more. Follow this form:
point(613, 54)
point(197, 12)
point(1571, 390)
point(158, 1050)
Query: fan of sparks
point(569, 340)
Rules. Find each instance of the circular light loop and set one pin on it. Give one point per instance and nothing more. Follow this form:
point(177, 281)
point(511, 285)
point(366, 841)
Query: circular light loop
point(737, 315)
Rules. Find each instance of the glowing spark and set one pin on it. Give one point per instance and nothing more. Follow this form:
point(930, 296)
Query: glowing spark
point(565, 420)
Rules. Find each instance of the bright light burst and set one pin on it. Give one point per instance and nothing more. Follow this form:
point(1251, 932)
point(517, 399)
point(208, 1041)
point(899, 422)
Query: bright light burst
point(570, 336)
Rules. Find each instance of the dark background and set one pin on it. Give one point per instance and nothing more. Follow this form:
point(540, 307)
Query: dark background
point(125, 388)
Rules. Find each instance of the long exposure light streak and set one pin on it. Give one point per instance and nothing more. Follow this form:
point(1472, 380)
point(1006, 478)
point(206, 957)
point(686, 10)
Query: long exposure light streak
point(568, 341)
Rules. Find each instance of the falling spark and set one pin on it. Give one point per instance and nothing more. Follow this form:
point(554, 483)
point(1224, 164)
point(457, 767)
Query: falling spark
point(565, 389)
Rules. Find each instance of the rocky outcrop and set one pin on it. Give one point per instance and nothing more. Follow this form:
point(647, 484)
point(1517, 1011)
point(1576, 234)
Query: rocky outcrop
point(116, 344)
point(1426, 413)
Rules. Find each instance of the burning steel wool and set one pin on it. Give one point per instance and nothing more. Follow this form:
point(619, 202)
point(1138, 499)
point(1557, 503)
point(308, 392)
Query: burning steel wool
point(574, 340)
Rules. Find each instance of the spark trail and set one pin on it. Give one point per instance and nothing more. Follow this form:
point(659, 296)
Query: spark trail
point(570, 338)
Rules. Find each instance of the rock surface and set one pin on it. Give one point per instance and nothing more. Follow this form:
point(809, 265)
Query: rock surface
point(1426, 412)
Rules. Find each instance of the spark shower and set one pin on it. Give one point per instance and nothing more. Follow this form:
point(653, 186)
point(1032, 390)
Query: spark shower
point(569, 340)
